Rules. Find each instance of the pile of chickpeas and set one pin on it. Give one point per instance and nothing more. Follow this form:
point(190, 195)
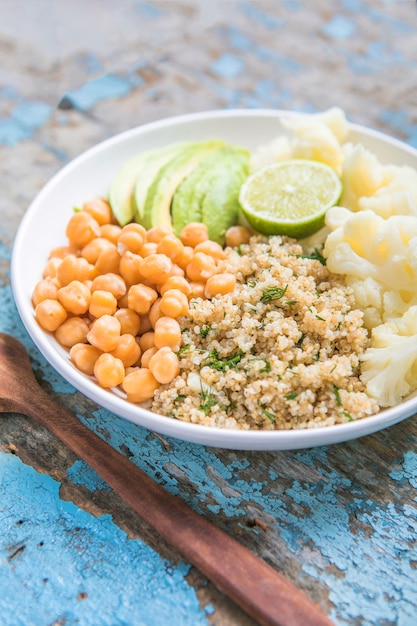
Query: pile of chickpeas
point(114, 296)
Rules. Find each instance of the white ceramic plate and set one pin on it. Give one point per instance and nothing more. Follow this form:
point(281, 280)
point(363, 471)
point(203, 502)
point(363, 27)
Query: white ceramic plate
point(43, 228)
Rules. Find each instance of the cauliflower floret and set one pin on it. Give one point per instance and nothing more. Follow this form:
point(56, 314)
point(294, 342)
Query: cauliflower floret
point(316, 138)
point(378, 259)
point(396, 196)
point(278, 149)
point(362, 175)
point(365, 245)
point(389, 366)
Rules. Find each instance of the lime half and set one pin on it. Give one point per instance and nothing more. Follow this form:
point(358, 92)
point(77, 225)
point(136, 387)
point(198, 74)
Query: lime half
point(290, 197)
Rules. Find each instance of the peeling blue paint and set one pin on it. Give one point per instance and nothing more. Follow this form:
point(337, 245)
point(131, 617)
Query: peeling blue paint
point(98, 565)
point(81, 474)
point(101, 88)
point(24, 118)
point(340, 27)
point(228, 66)
point(409, 470)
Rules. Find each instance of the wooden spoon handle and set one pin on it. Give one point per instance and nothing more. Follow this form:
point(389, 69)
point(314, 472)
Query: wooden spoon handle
point(255, 586)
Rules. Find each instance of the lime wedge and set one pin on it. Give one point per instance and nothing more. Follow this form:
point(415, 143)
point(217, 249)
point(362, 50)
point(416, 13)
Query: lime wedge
point(290, 197)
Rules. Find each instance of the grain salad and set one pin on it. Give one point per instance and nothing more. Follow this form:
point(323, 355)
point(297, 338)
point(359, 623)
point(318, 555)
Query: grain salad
point(279, 352)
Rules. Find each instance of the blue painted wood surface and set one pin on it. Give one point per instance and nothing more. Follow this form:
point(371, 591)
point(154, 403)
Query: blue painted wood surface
point(339, 521)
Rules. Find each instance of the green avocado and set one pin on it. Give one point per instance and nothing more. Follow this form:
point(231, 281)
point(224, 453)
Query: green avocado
point(188, 198)
point(122, 186)
point(210, 193)
point(124, 193)
point(157, 208)
point(154, 162)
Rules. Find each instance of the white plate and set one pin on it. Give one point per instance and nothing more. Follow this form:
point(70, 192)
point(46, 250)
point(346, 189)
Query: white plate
point(87, 176)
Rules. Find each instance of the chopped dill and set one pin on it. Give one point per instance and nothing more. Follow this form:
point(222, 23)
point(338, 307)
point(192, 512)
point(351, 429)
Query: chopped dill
point(204, 331)
point(273, 293)
point(291, 396)
point(337, 395)
point(182, 351)
point(316, 255)
point(207, 400)
point(271, 416)
point(219, 364)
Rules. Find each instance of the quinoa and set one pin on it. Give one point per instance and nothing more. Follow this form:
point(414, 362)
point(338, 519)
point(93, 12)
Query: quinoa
point(279, 352)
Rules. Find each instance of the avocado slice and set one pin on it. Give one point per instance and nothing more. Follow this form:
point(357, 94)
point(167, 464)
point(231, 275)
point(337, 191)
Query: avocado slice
point(188, 198)
point(147, 173)
point(220, 208)
point(122, 186)
point(210, 193)
point(157, 210)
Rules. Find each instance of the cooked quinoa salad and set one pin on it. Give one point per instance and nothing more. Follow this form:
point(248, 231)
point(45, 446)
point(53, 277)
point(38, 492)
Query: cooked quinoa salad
point(279, 352)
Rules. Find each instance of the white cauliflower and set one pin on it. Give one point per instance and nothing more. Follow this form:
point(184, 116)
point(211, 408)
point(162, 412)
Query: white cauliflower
point(389, 366)
point(362, 175)
point(396, 196)
point(365, 245)
point(319, 136)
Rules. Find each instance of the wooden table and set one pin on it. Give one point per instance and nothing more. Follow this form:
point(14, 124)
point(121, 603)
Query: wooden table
point(339, 521)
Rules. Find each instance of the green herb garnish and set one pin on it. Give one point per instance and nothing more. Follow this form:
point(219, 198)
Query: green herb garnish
point(273, 293)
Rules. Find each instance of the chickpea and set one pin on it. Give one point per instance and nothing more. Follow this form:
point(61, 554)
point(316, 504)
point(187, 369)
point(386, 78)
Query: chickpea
point(148, 248)
point(212, 248)
point(155, 312)
point(104, 333)
point(50, 314)
point(123, 302)
point(108, 261)
point(109, 370)
point(140, 298)
point(129, 321)
point(171, 246)
point(73, 268)
point(74, 330)
point(164, 365)
point(100, 210)
point(147, 355)
point(201, 267)
point(145, 324)
point(110, 232)
point(194, 233)
point(157, 233)
point(63, 251)
point(129, 267)
point(132, 237)
point(197, 289)
point(220, 284)
point(147, 340)
point(186, 257)
point(94, 248)
point(75, 297)
point(177, 270)
point(176, 282)
point(46, 288)
point(111, 282)
point(236, 235)
point(127, 350)
point(174, 303)
point(140, 385)
point(167, 333)
point(84, 357)
point(81, 229)
point(156, 267)
point(102, 303)
point(51, 267)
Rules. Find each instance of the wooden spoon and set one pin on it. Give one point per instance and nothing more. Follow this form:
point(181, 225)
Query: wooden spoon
point(255, 586)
